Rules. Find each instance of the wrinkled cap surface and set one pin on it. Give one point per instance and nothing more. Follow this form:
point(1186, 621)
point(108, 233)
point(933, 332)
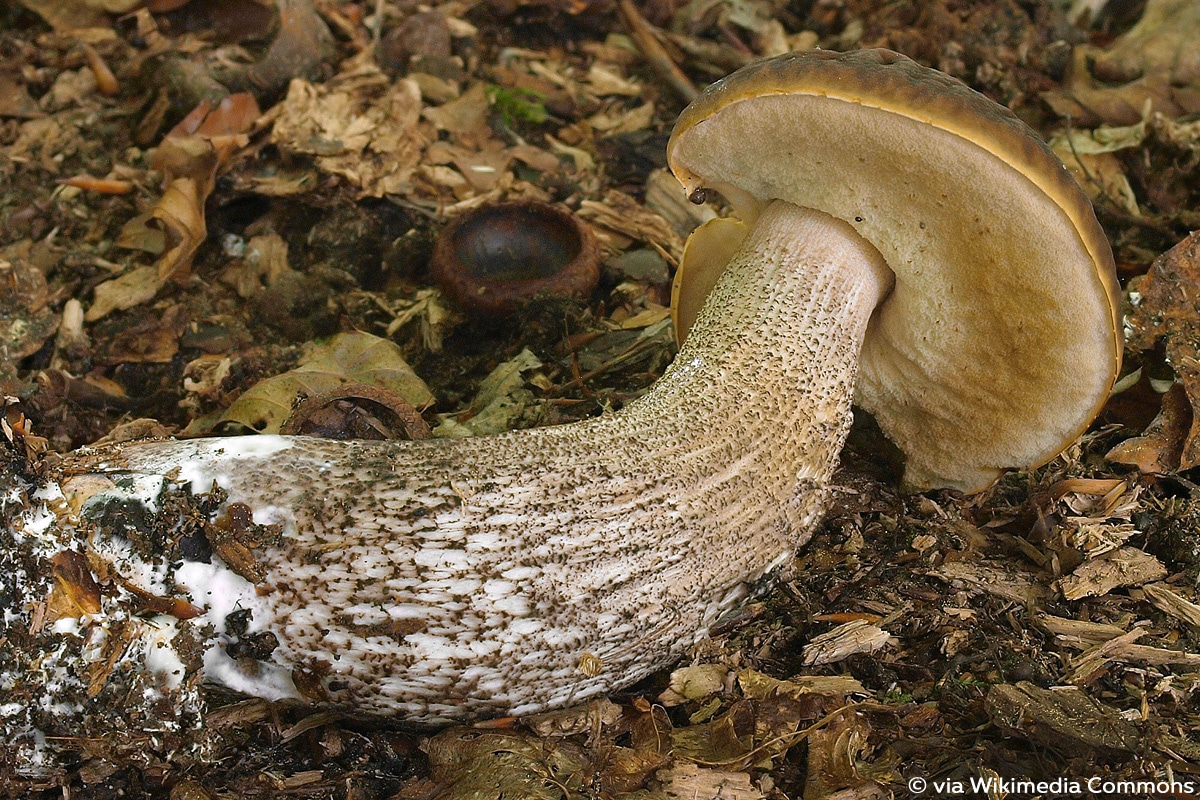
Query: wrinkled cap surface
point(1001, 339)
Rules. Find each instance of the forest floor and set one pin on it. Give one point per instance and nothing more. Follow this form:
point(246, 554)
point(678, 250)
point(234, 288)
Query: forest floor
point(196, 196)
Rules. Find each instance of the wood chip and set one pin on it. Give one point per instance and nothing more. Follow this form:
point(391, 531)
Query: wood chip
point(666, 197)
point(1077, 633)
point(621, 213)
point(758, 686)
point(1126, 566)
point(1167, 601)
point(994, 581)
point(687, 781)
point(846, 640)
point(1062, 718)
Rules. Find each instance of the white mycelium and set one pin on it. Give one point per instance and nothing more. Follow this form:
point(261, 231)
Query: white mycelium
point(450, 579)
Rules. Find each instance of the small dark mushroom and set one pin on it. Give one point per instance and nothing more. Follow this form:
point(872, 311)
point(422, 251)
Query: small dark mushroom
point(495, 258)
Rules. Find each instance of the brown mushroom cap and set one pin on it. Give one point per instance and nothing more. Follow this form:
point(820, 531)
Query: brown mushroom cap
point(1001, 339)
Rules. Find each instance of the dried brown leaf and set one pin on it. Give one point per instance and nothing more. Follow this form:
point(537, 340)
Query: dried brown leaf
point(482, 167)
point(15, 100)
point(359, 126)
point(235, 114)
point(1166, 306)
point(25, 320)
point(132, 288)
point(464, 115)
point(1160, 447)
point(725, 740)
point(65, 15)
point(152, 339)
point(1157, 61)
point(347, 357)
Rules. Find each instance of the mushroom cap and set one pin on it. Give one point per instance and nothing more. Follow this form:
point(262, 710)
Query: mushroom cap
point(1001, 339)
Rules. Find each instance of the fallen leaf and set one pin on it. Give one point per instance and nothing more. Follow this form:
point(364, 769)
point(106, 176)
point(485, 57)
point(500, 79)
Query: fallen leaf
point(132, 288)
point(725, 740)
point(471, 764)
point(694, 683)
point(625, 769)
point(1157, 61)
point(358, 125)
point(835, 754)
point(235, 114)
point(65, 15)
point(180, 215)
point(500, 402)
point(1167, 307)
point(483, 167)
point(467, 114)
point(152, 339)
point(25, 320)
point(1160, 447)
point(347, 357)
point(15, 100)
point(534, 157)
point(189, 157)
point(264, 260)
point(1102, 177)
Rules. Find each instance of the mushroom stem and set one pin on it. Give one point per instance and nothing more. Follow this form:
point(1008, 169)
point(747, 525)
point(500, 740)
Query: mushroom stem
point(526, 571)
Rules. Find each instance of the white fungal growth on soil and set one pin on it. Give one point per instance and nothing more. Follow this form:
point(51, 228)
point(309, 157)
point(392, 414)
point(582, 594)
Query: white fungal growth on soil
point(451, 579)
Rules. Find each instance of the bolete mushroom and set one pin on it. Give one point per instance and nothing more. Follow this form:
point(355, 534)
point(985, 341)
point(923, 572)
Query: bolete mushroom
point(1001, 338)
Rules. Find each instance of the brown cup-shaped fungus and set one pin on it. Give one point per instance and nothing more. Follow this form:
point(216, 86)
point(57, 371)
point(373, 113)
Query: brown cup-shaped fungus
point(1001, 338)
point(494, 258)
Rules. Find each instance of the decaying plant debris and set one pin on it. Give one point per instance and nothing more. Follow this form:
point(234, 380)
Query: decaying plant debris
point(210, 211)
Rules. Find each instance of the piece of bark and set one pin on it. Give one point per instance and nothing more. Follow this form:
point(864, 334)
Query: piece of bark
point(844, 641)
point(1126, 566)
point(1077, 633)
point(1172, 604)
point(1063, 718)
point(685, 781)
point(1168, 308)
point(994, 581)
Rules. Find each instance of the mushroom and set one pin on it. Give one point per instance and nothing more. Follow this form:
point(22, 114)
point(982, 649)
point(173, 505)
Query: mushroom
point(1001, 337)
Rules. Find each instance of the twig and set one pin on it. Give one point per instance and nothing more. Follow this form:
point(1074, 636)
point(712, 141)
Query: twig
point(377, 27)
point(643, 36)
point(714, 53)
